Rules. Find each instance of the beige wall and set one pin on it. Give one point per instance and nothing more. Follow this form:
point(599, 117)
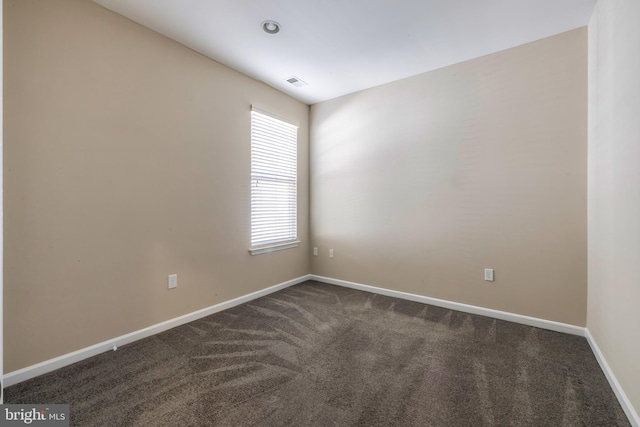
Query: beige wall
point(420, 184)
point(614, 189)
point(1, 214)
point(126, 159)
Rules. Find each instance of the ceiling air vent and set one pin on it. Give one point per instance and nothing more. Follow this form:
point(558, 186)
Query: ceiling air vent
point(296, 81)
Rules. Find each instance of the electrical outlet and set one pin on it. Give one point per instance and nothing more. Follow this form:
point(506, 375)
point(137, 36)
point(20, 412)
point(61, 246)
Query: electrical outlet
point(173, 281)
point(488, 274)
point(330, 253)
point(315, 251)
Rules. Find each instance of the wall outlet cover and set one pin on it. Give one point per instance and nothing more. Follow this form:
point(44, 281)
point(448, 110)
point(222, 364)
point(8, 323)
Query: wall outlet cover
point(488, 274)
point(173, 281)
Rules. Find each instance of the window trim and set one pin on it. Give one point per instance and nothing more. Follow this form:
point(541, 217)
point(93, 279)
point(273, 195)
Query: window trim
point(274, 247)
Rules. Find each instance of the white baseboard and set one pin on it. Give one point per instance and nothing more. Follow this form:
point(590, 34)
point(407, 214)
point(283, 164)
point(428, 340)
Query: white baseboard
point(32, 371)
point(466, 308)
point(634, 419)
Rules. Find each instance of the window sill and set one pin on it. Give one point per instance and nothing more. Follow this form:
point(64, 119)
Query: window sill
point(273, 248)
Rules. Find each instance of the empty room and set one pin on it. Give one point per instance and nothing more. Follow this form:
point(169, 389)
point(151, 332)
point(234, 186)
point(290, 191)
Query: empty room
point(320, 213)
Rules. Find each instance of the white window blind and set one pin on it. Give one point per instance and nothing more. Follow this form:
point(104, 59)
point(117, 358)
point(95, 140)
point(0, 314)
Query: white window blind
point(274, 153)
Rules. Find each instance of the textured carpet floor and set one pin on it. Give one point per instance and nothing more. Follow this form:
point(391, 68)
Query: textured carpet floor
point(320, 355)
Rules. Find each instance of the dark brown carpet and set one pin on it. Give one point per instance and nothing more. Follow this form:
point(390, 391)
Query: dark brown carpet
point(322, 355)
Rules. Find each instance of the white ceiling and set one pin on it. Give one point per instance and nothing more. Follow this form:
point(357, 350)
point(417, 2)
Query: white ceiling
point(342, 46)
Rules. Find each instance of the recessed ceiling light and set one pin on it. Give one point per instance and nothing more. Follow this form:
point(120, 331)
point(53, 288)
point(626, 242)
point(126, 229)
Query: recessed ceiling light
point(271, 27)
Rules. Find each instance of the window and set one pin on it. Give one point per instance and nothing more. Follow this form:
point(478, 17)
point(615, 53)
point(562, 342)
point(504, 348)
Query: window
point(274, 154)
